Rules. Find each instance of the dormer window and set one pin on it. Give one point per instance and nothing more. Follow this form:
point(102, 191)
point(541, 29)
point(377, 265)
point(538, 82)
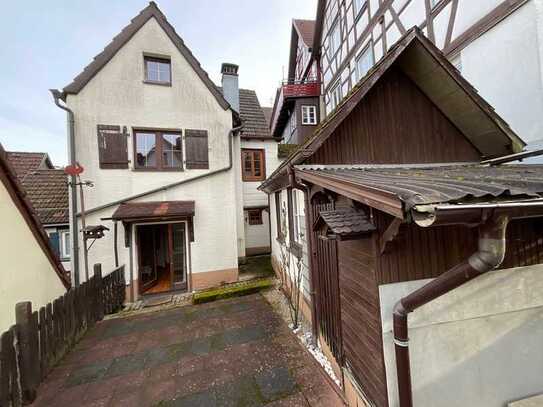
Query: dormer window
point(158, 70)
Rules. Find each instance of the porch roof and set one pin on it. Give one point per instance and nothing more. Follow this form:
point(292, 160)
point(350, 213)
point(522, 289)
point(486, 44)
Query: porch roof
point(132, 211)
point(398, 189)
point(344, 222)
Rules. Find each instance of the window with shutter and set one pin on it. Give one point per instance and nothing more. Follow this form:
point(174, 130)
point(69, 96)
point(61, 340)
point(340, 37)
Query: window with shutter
point(112, 149)
point(196, 146)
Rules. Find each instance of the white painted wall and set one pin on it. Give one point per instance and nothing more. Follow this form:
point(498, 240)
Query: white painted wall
point(281, 249)
point(258, 235)
point(118, 96)
point(505, 66)
point(479, 345)
point(26, 273)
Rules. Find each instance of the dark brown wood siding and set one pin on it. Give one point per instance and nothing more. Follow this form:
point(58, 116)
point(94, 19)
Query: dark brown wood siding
point(419, 253)
point(360, 317)
point(196, 144)
point(327, 284)
point(396, 123)
point(112, 147)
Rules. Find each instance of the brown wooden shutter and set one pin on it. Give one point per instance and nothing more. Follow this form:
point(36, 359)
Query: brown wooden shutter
point(112, 149)
point(196, 146)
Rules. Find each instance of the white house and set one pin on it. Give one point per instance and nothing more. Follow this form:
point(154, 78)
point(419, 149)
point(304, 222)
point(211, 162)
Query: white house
point(31, 271)
point(162, 147)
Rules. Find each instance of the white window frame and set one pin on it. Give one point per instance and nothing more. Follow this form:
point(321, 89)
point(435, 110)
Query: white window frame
point(367, 51)
point(298, 217)
point(64, 244)
point(334, 39)
point(335, 95)
point(358, 6)
point(309, 115)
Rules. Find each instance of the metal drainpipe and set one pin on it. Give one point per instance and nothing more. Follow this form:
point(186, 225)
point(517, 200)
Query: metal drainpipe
point(490, 255)
point(308, 225)
point(73, 187)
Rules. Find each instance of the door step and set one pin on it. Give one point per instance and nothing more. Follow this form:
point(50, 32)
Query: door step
point(156, 301)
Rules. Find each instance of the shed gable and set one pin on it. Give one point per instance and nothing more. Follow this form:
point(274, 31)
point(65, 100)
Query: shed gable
point(396, 123)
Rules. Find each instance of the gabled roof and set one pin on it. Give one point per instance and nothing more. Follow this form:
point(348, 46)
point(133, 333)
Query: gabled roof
point(100, 60)
point(17, 194)
point(47, 190)
point(252, 114)
point(23, 162)
point(441, 82)
point(306, 30)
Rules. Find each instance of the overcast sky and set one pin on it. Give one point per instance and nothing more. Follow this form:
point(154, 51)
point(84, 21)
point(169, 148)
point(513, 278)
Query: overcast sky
point(45, 44)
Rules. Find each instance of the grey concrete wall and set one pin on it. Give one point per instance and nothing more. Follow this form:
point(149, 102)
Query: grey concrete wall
point(480, 345)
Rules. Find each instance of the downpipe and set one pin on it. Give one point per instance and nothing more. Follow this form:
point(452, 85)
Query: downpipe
point(74, 235)
point(490, 255)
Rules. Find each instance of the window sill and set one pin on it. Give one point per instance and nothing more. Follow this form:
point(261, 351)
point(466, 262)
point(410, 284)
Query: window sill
point(309, 124)
point(167, 84)
point(254, 180)
point(158, 169)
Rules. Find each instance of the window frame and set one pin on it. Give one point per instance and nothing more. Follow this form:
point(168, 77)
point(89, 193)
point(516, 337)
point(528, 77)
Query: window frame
point(363, 6)
point(332, 52)
point(256, 212)
point(159, 140)
point(251, 177)
point(368, 47)
point(333, 89)
point(310, 108)
point(278, 220)
point(160, 59)
point(64, 244)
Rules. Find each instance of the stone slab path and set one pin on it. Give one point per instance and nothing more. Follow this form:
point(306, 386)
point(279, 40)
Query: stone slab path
point(235, 352)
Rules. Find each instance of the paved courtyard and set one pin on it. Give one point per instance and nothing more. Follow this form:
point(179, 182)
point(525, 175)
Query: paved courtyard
point(235, 352)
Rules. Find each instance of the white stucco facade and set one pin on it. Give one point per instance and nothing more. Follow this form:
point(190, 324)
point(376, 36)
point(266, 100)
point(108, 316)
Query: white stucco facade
point(479, 345)
point(26, 273)
point(117, 95)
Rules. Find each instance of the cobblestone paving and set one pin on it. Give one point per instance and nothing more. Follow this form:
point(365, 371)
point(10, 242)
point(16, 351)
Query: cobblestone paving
point(235, 352)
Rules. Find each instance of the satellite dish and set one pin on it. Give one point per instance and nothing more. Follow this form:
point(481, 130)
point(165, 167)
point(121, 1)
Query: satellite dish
point(74, 170)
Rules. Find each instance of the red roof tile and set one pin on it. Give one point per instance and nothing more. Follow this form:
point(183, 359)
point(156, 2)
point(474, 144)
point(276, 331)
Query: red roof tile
point(47, 190)
point(23, 162)
point(161, 209)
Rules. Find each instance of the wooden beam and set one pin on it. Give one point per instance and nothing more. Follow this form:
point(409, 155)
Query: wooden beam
point(389, 234)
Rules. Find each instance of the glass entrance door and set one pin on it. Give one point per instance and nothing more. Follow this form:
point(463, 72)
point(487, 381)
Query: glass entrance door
point(178, 256)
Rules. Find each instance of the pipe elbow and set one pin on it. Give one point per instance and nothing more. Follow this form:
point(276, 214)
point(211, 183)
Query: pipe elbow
point(492, 245)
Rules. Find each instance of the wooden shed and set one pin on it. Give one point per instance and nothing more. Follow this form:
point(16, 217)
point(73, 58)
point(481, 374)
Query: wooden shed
point(411, 136)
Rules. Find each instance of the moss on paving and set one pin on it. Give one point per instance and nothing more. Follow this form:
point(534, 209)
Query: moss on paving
point(260, 265)
point(237, 290)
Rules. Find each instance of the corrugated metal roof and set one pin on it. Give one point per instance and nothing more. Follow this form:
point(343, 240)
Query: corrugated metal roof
point(419, 185)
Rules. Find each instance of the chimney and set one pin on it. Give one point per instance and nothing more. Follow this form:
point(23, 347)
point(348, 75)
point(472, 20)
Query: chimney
point(230, 84)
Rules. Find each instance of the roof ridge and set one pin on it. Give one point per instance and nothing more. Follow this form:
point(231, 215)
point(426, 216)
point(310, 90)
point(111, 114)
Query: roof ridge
point(125, 35)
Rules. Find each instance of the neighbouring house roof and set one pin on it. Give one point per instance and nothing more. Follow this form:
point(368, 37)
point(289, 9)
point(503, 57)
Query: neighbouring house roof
point(441, 82)
point(153, 210)
point(151, 11)
point(45, 186)
point(9, 178)
point(24, 162)
point(306, 30)
point(344, 222)
point(398, 189)
point(48, 192)
point(268, 115)
point(255, 124)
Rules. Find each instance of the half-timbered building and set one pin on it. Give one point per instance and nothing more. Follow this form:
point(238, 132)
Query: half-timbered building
point(400, 188)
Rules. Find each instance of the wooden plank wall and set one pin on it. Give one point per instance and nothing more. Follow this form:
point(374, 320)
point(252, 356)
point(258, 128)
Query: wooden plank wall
point(39, 339)
point(327, 284)
point(395, 123)
point(360, 318)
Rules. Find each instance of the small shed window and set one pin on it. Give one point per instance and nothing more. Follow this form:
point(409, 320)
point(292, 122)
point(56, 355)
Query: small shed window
point(253, 166)
point(309, 115)
point(280, 233)
point(158, 70)
point(255, 216)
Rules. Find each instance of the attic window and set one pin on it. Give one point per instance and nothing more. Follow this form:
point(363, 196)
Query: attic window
point(158, 70)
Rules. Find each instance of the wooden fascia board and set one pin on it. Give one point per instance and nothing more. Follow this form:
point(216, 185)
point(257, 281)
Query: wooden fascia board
point(378, 199)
